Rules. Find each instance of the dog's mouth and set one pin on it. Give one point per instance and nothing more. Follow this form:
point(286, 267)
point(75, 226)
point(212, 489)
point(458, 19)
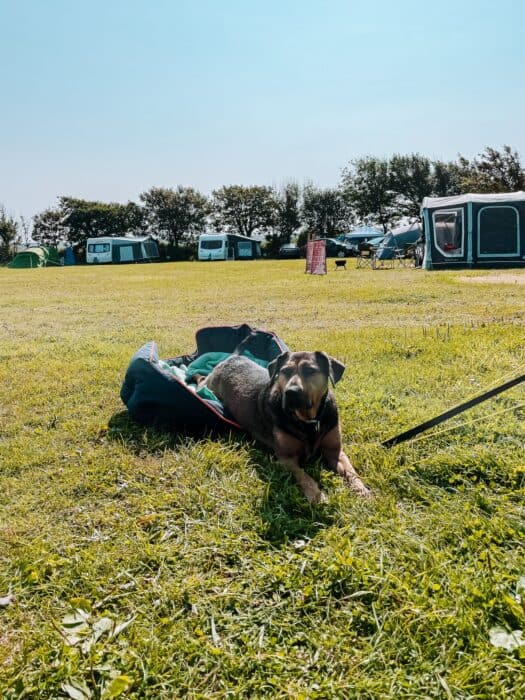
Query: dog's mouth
point(306, 415)
point(296, 400)
point(304, 409)
point(299, 404)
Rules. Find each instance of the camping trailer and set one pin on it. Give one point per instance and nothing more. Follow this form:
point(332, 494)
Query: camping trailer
point(228, 246)
point(474, 230)
point(121, 250)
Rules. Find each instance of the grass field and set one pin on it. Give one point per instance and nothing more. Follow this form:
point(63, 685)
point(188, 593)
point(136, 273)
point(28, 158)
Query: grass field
point(136, 564)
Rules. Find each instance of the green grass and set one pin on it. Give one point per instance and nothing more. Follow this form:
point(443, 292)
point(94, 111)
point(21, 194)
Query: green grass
point(142, 565)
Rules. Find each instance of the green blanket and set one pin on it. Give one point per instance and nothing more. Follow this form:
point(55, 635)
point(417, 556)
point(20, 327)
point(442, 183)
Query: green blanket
point(181, 373)
point(206, 362)
point(203, 365)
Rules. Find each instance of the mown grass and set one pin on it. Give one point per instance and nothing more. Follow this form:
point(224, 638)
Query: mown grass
point(138, 564)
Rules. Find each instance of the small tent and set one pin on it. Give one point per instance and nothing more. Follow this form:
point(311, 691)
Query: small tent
point(474, 230)
point(41, 256)
point(69, 256)
point(397, 240)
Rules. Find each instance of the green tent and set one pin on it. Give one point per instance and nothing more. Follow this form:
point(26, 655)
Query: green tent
point(42, 256)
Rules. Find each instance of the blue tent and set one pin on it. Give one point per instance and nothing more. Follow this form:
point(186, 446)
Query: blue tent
point(69, 256)
point(360, 235)
point(397, 240)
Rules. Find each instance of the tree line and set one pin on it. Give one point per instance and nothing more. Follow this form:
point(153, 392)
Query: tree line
point(372, 191)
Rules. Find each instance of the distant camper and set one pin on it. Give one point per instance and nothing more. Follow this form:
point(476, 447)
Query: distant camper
point(228, 246)
point(121, 250)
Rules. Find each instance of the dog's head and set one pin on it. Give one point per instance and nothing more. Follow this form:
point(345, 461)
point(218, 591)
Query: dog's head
point(302, 379)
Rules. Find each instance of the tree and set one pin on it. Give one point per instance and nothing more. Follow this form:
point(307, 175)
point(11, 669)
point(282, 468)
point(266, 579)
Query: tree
point(132, 218)
point(288, 211)
point(48, 227)
point(367, 186)
point(446, 179)
point(244, 210)
point(85, 219)
point(287, 217)
point(412, 180)
point(25, 232)
point(325, 213)
point(493, 171)
point(175, 214)
point(8, 234)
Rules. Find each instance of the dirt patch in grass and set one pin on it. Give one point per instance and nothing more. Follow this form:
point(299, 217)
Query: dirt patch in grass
point(500, 278)
point(10, 647)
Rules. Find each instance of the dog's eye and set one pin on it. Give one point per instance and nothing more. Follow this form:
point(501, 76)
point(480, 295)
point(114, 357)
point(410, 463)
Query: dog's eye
point(287, 371)
point(310, 369)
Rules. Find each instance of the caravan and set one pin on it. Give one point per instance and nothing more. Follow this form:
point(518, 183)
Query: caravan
point(121, 250)
point(228, 246)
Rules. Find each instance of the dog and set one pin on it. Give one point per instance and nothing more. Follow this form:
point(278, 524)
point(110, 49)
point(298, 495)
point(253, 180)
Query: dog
point(289, 408)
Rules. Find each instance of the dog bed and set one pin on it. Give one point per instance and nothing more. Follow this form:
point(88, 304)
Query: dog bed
point(161, 392)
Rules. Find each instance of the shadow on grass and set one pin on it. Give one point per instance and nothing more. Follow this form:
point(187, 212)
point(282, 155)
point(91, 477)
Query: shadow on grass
point(285, 512)
point(151, 439)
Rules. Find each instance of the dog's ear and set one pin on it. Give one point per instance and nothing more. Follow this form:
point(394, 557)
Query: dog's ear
point(274, 367)
point(332, 368)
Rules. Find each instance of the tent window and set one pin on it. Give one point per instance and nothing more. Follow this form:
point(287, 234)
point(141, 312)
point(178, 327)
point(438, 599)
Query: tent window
point(448, 232)
point(498, 231)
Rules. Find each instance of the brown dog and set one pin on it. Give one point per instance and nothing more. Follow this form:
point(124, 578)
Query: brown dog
point(289, 408)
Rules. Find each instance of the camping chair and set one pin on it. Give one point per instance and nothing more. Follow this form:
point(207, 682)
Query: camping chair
point(366, 256)
point(398, 257)
point(404, 257)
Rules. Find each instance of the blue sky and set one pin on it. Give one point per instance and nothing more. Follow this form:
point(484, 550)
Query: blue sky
point(104, 99)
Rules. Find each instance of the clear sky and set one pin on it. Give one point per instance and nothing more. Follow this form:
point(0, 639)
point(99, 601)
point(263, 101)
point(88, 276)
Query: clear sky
point(103, 99)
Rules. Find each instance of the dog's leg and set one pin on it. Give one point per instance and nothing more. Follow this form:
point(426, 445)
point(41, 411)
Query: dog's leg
point(308, 486)
point(287, 450)
point(344, 468)
point(338, 461)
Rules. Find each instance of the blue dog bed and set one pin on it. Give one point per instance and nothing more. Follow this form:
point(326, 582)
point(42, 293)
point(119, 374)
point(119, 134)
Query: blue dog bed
point(160, 392)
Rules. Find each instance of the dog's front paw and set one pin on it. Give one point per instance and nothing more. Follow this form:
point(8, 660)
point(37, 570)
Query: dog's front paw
point(356, 485)
point(315, 496)
point(322, 498)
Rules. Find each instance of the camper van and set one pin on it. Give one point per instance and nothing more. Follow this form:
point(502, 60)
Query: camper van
point(121, 250)
point(228, 246)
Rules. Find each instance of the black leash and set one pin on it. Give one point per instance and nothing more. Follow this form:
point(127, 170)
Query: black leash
point(408, 434)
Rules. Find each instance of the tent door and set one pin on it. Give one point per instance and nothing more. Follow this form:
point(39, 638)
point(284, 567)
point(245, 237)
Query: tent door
point(126, 253)
point(498, 229)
